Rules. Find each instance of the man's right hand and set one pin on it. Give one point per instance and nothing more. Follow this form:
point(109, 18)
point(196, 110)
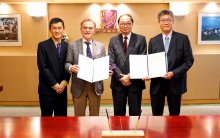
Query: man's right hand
point(74, 68)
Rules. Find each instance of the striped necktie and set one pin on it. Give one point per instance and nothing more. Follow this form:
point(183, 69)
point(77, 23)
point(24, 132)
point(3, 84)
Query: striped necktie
point(167, 43)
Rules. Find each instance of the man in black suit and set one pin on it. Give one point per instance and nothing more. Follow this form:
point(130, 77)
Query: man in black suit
point(179, 60)
point(53, 79)
point(123, 88)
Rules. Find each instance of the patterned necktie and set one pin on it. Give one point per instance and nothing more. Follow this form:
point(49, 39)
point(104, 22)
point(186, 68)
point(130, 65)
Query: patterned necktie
point(167, 43)
point(58, 48)
point(88, 50)
point(125, 44)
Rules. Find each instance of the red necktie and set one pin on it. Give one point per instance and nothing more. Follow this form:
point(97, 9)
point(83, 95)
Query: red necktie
point(125, 45)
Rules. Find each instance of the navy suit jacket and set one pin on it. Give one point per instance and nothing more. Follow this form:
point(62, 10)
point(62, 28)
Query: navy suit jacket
point(137, 46)
point(51, 66)
point(180, 60)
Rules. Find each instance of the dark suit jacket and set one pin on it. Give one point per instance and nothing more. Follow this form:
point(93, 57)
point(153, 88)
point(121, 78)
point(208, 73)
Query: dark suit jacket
point(74, 49)
point(180, 60)
point(137, 46)
point(51, 66)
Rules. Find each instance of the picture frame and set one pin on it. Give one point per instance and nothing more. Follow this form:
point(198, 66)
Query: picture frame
point(209, 28)
point(10, 30)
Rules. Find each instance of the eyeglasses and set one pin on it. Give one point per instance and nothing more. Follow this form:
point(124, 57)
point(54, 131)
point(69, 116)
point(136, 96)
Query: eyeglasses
point(89, 28)
point(125, 24)
point(168, 21)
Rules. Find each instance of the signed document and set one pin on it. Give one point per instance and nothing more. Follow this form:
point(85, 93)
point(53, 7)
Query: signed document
point(152, 65)
point(93, 70)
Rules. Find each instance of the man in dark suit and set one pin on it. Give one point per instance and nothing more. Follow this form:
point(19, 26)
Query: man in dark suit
point(179, 60)
point(123, 88)
point(82, 90)
point(53, 78)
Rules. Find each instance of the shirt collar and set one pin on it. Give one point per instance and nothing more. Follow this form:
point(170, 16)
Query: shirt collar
point(84, 40)
point(169, 35)
point(128, 36)
point(55, 42)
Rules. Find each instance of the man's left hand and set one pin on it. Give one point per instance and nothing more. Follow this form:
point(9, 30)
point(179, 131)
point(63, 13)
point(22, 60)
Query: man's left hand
point(168, 75)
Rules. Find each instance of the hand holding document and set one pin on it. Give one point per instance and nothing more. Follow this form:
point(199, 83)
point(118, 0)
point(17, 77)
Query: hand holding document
point(152, 65)
point(93, 70)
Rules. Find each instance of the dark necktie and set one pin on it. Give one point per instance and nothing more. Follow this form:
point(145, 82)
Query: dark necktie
point(88, 50)
point(58, 48)
point(125, 44)
point(167, 43)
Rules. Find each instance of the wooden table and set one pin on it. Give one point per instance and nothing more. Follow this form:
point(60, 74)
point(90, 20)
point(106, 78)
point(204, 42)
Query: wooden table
point(1, 88)
point(91, 127)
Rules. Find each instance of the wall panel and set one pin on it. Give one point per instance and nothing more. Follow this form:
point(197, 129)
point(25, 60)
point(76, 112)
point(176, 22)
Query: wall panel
point(18, 65)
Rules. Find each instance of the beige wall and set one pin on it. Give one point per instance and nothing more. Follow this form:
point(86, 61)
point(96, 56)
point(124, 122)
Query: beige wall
point(18, 67)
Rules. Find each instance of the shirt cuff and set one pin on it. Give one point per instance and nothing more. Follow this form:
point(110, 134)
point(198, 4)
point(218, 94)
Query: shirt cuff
point(64, 83)
point(55, 87)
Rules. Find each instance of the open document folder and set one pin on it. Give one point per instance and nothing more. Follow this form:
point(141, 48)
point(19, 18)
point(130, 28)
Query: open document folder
point(152, 65)
point(93, 70)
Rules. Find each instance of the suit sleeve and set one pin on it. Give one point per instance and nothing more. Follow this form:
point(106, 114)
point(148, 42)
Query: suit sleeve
point(111, 53)
point(188, 58)
point(66, 74)
point(143, 46)
point(103, 52)
point(44, 72)
point(69, 58)
point(150, 47)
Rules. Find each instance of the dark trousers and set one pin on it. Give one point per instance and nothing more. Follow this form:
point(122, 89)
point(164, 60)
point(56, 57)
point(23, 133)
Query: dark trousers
point(120, 99)
point(158, 100)
point(53, 103)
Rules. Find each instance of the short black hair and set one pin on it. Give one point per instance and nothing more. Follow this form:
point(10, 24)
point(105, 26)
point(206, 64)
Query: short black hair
point(132, 20)
point(165, 12)
point(56, 20)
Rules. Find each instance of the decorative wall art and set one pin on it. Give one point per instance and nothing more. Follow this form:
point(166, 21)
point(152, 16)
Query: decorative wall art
point(10, 30)
point(208, 28)
point(108, 21)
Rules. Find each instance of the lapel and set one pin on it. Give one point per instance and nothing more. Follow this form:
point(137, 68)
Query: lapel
point(53, 47)
point(121, 46)
point(62, 52)
point(94, 49)
point(161, 43)
point(131, 44)
point(173, 40)
point(79, 45)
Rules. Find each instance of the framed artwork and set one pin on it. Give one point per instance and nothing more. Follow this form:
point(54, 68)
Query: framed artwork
point(209, 28)
point(10, 30)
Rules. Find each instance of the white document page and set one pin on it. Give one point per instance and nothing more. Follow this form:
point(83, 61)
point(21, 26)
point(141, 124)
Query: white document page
point(152, 65)
point(156, 65)
point(138, 66)
point(85, 68)
point(101, 69)
point(93, 70)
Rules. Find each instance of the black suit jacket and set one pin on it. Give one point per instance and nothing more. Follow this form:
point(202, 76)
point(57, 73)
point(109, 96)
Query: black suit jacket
point(137, 46)
point(180, 60)
point(51, 66)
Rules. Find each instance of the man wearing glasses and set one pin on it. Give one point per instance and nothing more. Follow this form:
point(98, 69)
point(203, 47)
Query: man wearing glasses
point(123, 88)
point(179, 59)
point(82, 90)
